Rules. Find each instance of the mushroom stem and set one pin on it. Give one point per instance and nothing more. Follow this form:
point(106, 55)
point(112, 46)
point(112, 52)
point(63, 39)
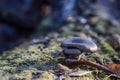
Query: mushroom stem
point(82, 54)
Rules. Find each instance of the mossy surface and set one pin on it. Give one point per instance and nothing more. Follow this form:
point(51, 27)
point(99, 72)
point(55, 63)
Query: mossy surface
point(23, 62)
point(27, 60)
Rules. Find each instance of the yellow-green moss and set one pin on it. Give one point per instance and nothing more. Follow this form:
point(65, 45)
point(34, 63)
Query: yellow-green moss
point(47, 76)
point(24, 75)
point(21, 59)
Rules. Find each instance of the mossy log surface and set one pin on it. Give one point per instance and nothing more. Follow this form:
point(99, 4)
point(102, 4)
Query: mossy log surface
point(24, 62)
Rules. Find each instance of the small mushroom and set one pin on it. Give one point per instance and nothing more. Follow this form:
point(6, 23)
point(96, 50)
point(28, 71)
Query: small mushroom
point(83, 44)
point(114, 41)
point(74, 47)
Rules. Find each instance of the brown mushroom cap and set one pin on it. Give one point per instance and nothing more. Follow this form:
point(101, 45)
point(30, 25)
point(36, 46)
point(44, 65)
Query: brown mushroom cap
point(83, 44)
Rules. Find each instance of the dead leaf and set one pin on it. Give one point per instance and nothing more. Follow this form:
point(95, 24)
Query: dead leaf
point(114, 67)
point(62, 69)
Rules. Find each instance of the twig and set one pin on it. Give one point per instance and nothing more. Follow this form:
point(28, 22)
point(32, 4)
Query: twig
point(94, 65)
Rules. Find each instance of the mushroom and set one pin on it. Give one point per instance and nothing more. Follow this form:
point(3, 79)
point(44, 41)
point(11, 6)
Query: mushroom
point(74, 47)
point(114, 41)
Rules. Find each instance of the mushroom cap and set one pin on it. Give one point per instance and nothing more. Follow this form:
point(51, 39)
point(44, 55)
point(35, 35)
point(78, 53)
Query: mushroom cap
point(71, 51)
point(83, 44)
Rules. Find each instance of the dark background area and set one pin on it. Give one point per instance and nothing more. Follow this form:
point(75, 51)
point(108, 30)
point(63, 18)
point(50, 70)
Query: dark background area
point(19, 19)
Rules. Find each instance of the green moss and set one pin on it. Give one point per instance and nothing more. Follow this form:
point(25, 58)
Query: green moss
point(20, 59)
point(67, 78)
point(47, 76)
point(16, 63)
point(105, 49)
point(24, 75)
